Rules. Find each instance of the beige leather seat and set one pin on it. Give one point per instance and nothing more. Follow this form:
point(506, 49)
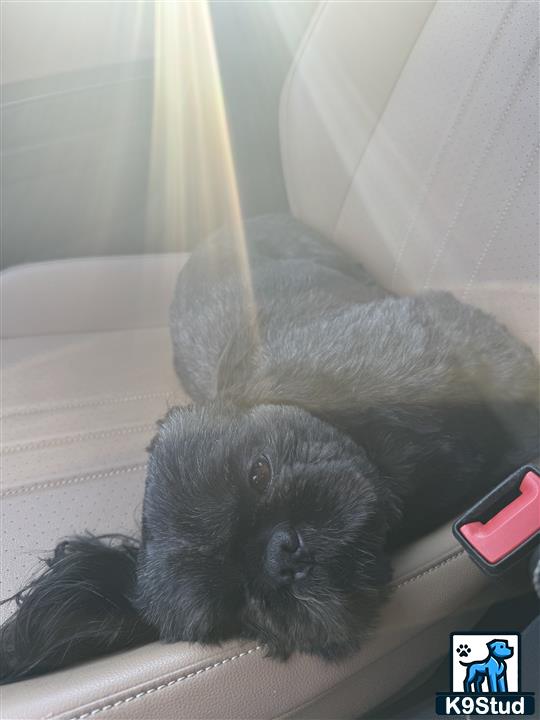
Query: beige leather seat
point(409, 136)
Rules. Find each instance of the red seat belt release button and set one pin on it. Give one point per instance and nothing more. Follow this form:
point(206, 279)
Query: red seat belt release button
point(511, 527)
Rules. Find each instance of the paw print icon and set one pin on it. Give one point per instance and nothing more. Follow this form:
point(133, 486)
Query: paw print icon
point(463, 650)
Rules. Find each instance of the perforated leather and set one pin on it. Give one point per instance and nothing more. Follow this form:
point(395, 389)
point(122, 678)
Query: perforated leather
point(77, 414)
point(79, 407)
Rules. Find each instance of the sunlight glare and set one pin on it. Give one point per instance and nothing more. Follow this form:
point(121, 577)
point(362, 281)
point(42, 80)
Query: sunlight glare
point(192, 161)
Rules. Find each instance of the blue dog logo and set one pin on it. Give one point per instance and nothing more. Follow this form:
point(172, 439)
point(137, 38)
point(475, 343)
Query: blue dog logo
point(492, 668)
point(490, 686)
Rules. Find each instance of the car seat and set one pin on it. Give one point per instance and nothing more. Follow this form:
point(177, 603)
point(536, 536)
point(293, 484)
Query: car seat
point(409, 135)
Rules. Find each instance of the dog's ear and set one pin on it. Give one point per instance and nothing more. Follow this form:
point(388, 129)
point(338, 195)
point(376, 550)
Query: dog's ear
point(78, 608)
point(171, 412)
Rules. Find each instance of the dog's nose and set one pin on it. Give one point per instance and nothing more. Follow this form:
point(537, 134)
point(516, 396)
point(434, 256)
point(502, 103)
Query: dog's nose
point(287, 558)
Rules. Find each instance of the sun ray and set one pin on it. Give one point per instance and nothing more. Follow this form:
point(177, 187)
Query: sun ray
point(192, 162)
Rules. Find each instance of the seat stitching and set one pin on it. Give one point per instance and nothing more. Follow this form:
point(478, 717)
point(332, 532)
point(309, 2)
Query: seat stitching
point(91, 402)
point(364, 151)
point(444, 147)
point(77, 89)
point(69, 439)
point(73, 480)
point(174, 681)
point(479, 164)
point(500, 220)
point(305, 42)
point(188, 676)
point(416, 577)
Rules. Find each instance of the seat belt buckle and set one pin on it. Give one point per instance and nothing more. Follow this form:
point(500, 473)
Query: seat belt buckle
point(504, 525)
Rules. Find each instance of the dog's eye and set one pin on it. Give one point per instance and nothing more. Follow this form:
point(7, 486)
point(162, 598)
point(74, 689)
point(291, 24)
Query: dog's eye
point(260, 475)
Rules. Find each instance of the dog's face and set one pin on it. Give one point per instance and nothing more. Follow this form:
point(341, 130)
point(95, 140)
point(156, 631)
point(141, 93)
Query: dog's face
point(263, 523)
point(500, 649)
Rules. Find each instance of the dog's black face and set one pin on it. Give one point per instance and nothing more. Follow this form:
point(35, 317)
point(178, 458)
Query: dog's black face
point(264, 523)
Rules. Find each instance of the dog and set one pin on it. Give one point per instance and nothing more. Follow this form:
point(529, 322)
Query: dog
point(330, 422)
point(492, 669)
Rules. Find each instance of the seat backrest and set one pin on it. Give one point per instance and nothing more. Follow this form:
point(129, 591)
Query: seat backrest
point(410, 136)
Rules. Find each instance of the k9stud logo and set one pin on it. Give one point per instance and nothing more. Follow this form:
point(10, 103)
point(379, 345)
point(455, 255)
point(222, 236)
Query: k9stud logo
point(485, 676)
point(485, 663)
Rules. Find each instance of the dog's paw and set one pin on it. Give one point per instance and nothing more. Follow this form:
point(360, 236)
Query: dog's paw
point(463, 650)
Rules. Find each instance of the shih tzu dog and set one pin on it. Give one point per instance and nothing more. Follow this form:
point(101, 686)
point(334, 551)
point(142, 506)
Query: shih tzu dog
point(330, 421)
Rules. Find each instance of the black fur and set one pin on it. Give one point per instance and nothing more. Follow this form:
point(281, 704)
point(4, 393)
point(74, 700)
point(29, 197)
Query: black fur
point(77, 609)
point(209, 543)
point(380, 417)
